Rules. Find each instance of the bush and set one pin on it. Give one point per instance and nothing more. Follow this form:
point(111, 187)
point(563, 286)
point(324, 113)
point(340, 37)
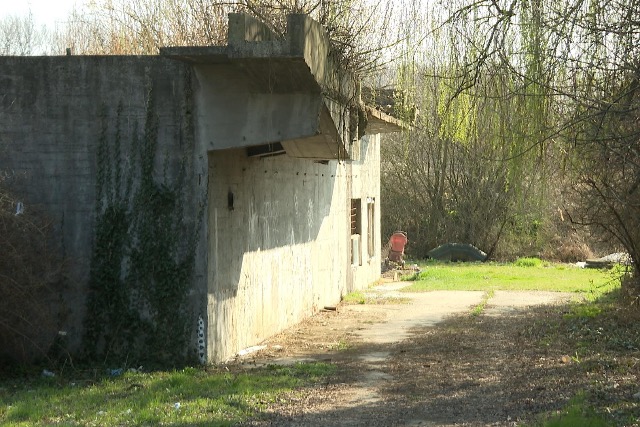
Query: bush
point(30, 280)
point(528, 262)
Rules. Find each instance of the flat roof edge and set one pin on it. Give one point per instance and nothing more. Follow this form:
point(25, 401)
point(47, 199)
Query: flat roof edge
point(381, 122)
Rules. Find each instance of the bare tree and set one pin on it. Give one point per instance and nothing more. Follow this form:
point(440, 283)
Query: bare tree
point(358, 30)
point(481, 130)
point(567, 108)
point(452, 178)
point(108, 27)
point(20, 36)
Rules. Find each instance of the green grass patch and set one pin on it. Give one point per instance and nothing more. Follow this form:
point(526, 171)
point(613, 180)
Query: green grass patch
point(577, 414)
point(584, 311)
point(340, 345)
point(528, 262)
point(532, 276)
point(359, 297)
point(478, 309)
point(186, 397)
point(355, 297)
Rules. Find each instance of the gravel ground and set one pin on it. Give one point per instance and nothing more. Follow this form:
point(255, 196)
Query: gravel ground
point(430, 362)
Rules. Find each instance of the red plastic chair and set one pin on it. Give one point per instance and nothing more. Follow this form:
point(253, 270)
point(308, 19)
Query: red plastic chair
point(397, 242)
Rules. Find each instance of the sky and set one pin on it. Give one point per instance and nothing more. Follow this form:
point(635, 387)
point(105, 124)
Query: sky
point(45, 12)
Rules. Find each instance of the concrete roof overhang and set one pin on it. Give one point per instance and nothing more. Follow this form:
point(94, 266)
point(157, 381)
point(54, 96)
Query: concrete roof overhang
point(381, 122)
point(298, 63)
point(274, 75)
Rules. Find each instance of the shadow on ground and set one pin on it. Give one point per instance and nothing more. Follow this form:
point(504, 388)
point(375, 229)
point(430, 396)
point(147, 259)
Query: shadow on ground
point(498, 370)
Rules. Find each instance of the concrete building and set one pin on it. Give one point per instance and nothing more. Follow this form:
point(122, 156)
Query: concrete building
point(262, 150)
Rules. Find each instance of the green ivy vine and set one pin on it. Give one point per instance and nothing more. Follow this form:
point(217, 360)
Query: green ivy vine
point(144, 251)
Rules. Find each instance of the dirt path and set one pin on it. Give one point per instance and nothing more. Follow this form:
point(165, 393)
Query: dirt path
point(423, 362)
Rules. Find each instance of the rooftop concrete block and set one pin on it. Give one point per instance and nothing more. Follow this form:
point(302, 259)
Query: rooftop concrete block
point(245, 28)
point(297, 66)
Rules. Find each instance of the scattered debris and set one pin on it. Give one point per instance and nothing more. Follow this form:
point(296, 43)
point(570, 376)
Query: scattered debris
point(609, 261)
point(251, 350)
point(48, 374)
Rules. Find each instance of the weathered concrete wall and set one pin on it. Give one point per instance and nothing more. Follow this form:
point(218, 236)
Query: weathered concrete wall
point(279, 245)
point(233, 112)
point(366, 187)
point(281, 253)
point(52, 114)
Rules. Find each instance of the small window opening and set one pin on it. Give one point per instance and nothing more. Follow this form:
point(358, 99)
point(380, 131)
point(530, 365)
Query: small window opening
point(230, 200)
point(356, 227)
point(356, 218)
point(371, 248)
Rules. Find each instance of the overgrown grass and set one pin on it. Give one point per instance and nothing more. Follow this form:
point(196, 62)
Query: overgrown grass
point(478, 309)
point(191, 396)
point(524, 275)
point(360, 297)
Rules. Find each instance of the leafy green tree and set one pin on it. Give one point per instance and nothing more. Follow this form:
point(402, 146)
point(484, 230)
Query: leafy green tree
point(481, 131)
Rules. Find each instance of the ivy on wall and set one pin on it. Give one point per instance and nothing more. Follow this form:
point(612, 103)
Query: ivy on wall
point(144, 250)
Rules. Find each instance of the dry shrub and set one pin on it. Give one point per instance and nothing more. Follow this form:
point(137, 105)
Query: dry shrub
point(565, 243)
point(570, 248)
point(31, 277)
